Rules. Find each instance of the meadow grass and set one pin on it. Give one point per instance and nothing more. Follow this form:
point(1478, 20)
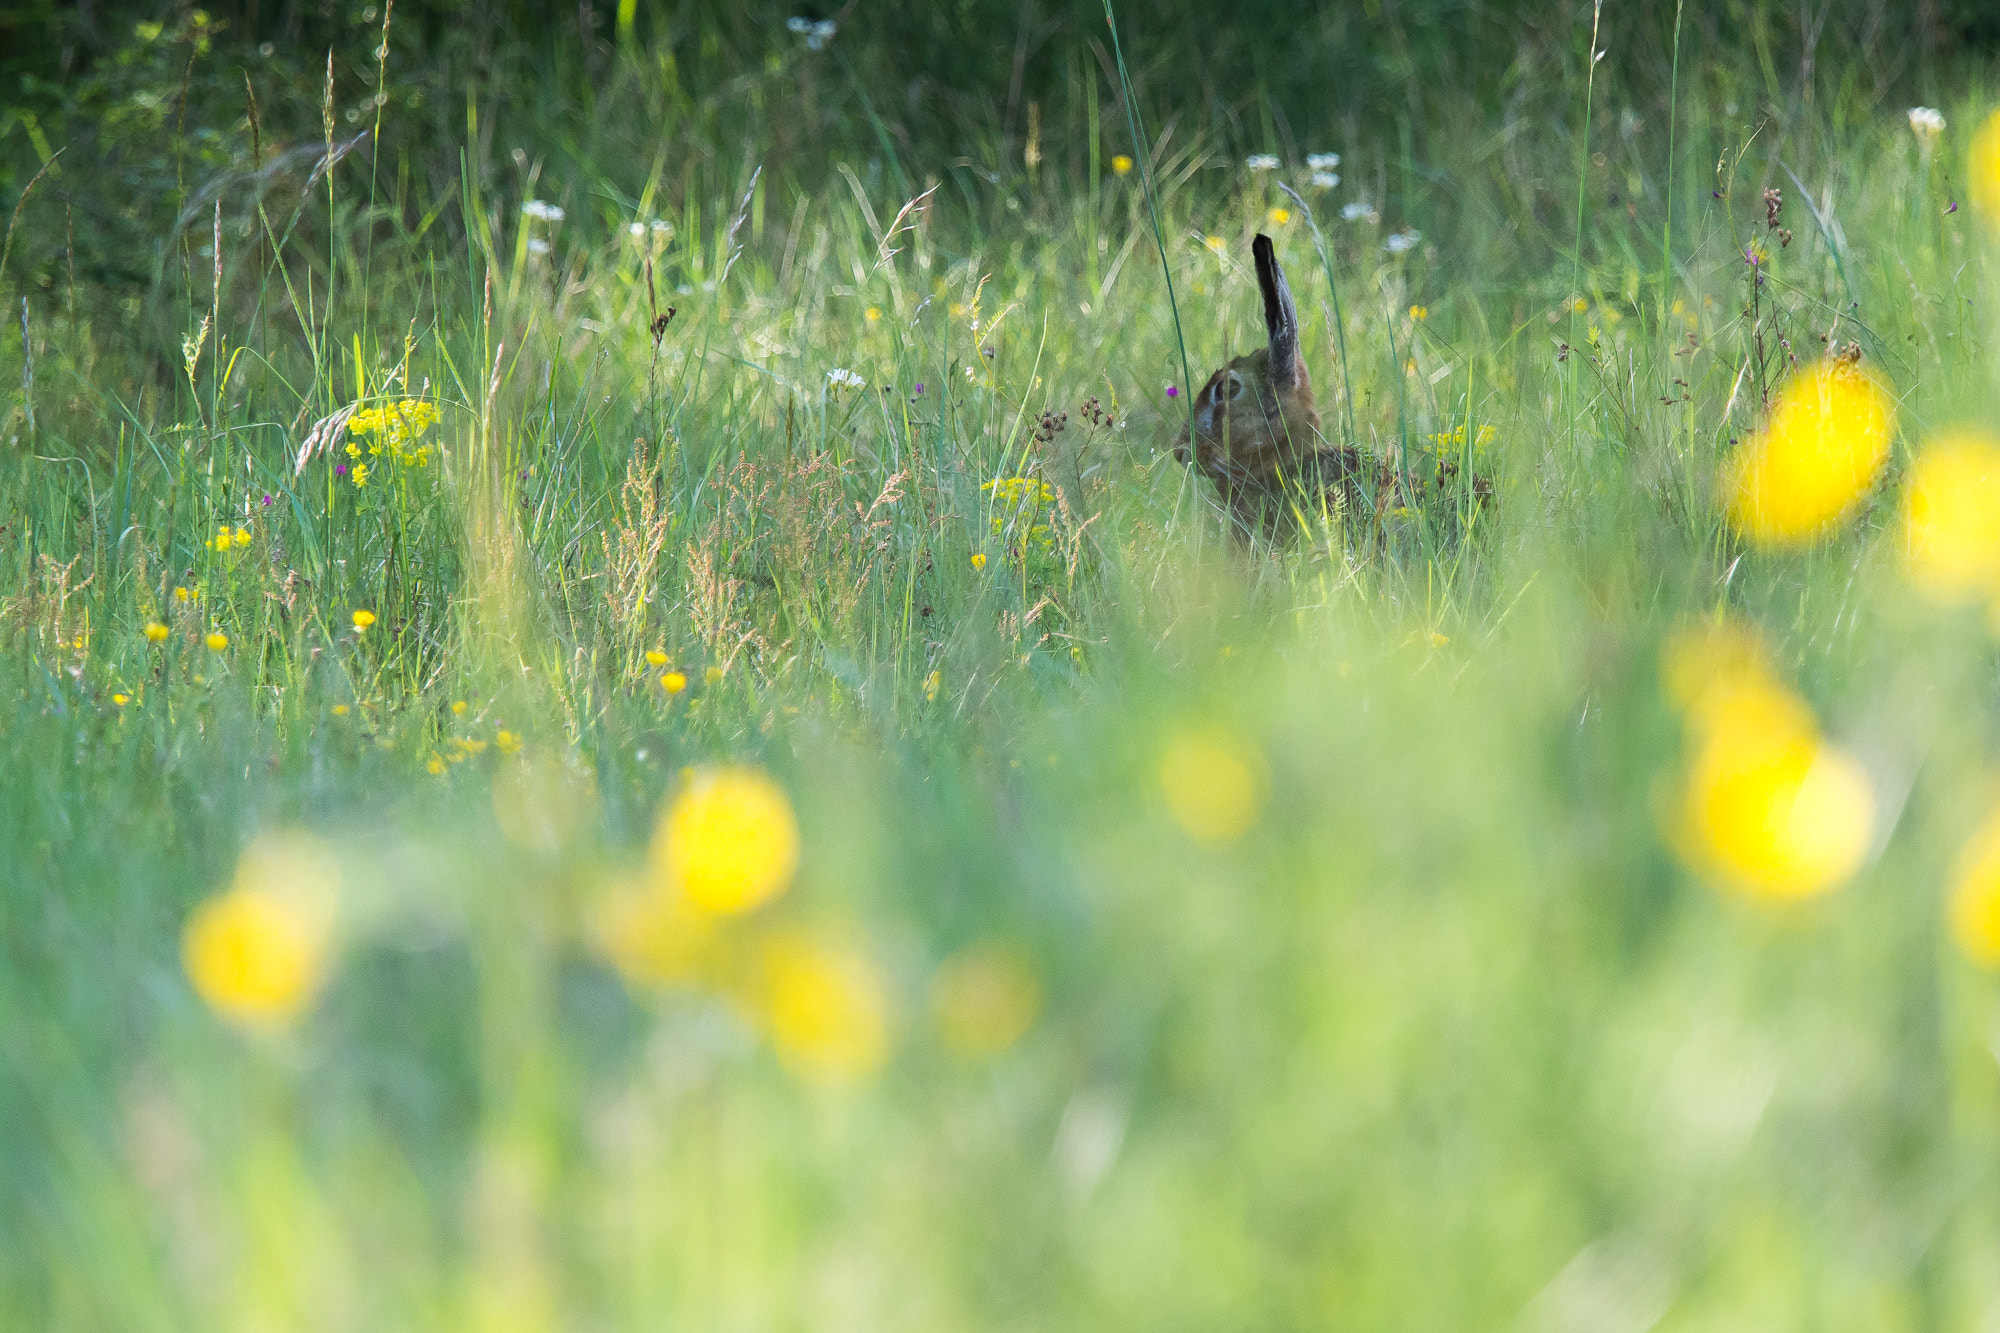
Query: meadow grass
point(1241, 934)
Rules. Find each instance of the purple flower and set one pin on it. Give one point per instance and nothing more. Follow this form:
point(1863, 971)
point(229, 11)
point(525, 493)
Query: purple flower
point(340, 469)
point(1173, 392)
point(1751, 257)
point(920, 390)
point(267, 502)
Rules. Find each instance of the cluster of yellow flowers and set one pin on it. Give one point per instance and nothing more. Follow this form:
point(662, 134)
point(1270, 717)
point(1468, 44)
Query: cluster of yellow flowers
point(1021, 503)
point(1768, 806)
point(1453, 441)
point(227, 538)
point(1816, 456)
point(392, 430)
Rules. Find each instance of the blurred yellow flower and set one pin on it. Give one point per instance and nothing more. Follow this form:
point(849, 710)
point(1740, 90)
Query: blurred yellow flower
point(185, 594)
point(652, 934)
point(673, 682)
point(1120, 164)
point(1420, 312)
point(1814, 459)
point(458, 708)
point(1770, 808)
point(654, 657)
point(507, 742)
point(217, 641)
point(156, 632)
point(978, 560)
point(872, 313)
point(1213, 784)
point(713, 675)
point(121, 699)
point(257, 952)
point(363, 619)
point(1975, 895)
point(986, 997)
point(729, 840)
point(1280, 216)
point(1983, 171)
point(1214, 243)
point(1951, 516)
point(932, 683)
point(340, 710)
point(827, 1009)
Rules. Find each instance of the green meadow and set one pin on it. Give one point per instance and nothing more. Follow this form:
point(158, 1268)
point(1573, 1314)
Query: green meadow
point(615, 714)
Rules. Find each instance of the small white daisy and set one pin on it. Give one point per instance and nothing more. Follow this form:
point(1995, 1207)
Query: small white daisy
point(537, 246)
point(1322, 161)
point(542, 212)
point(841, 378)
point(1325, 180)
point(1261, 162)
point(1927, 121)
point(1359, 211)
point(1402, 242)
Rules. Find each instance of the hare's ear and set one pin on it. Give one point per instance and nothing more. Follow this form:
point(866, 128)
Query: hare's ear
point(1281, 317)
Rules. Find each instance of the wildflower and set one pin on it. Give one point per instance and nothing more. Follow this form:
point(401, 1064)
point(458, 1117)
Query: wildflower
point(985, 997)
point(978, 561)
point(816, 32)
point(267, 502)
point(1420, 312)
point(1820, 451)
point(827, 1010)
point(538, 246)
point(186, 594)
point(222, 539)
point(1402, 242)
point(217, 641)
point(156, 632)
point(1926, 123)
point(1280, 216)
point(436, 765)
point(1213, 784)
point(840, 378)
point(256, 953)
point(1322, 161)
point(1261, 162)
point(920, 390)
point(1359, 210)
point(395, 426)
point(340, 710)
point(1173, 391)
point(652, 934)
point(636, 230)
point(729, 841)
point(121, 699)
point(1951, 517)
point(542, 212)
point(673, 682)
point(713, 675)
point(1120, 164)
point(1214, 243)
point(654, 657)
point(360, 474)
point(872, 313)
point(362, 620)
point(1975, 895)
point(1438, 640)
point(1983, 169)
point(507, 742)
point(1325, 180)
point(340, 469)
point(932, 683)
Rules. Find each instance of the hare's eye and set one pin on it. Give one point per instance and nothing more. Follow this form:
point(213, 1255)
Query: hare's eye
point(1235, 386)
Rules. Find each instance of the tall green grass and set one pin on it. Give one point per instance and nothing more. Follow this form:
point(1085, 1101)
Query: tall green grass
point(1447, 1039)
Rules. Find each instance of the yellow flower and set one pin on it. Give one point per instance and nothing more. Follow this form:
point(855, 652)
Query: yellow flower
point(1975, 895)
point(506, 742)
point(986, 998)
point(729, 840)
point(256, 953)
point(654, 657)
point(932, 683)
point(872, 313)
point(1770, 809)
point(673, 682)
point(436, 764)
point(221, 542)
point(396, 424)
point(1951, 517)
point(1120, 164)
point(1983, 171)
point(1213, 784)
point(1280, 216)
point(1420, 312)
point(713, 675)
point(217, 641)
point(1439, 640)
point(121, 699)
point(1579, 305)
point(1814, 459)
point(363, 619)
point(458, 708)
point(360, 474)
point(653, 935)
point(340, 710)
point(827, 1009)
point(185, 594)
point(1214, 243)
point(156, 632)
point(978, 560)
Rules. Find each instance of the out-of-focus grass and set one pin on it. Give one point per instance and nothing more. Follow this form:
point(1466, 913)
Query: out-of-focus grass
point(1406, 1015)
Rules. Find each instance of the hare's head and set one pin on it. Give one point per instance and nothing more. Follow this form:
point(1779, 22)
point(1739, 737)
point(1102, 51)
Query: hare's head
point(1255, 416)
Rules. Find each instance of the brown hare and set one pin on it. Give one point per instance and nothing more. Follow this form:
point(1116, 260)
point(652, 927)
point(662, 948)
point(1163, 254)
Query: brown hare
point(1253, 429)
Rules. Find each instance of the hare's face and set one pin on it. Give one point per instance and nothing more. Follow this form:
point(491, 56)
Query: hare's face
point(1255, 414)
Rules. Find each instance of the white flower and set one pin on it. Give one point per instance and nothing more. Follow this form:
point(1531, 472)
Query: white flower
point(1358, 211)
point(1261, 162)
point(542, 212)
point(662, 227)
point(839, 378)
point(1402, 242)
point(636, 230)
point(799, 25)
point(538, 246)
point(1325, 180)
point(815, 33)
point(1322, 161)
point(1927, 121)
